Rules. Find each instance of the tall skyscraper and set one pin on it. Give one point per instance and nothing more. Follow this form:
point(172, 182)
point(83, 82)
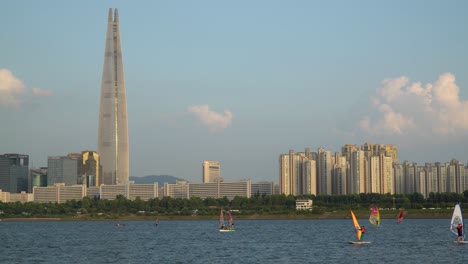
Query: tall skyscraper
point(113, 124)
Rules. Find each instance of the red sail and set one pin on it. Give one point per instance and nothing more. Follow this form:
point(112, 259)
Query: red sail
point(231, 221)
point(400, 216)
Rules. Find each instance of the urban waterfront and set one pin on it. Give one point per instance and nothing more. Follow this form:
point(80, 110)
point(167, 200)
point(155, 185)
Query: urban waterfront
point(255, 241)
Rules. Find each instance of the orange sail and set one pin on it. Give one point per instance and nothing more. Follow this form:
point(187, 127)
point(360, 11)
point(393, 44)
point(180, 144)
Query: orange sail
point(356, 226)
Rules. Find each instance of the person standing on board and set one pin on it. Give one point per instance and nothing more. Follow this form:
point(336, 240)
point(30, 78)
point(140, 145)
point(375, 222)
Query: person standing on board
point(363, 231)
point(460, 232)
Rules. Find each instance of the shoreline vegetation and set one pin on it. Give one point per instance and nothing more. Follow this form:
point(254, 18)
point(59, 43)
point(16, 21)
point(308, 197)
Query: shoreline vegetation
point(256, 207)
point(334, 215)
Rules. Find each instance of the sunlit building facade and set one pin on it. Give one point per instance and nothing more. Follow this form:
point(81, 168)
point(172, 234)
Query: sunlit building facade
point(113, 146)
point(90, 171)
point(211, 171)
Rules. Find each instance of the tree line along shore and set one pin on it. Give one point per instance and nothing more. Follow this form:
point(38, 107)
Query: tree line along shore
point(259, 206)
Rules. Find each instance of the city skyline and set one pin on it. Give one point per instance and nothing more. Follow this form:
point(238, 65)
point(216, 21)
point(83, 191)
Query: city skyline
point(239, 83)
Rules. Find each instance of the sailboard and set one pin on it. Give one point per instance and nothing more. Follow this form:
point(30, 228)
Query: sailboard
point(222, 227)
point(374, 217)
point(401, 214)
point(357, 228)
point(156, 222)
point(457, 218)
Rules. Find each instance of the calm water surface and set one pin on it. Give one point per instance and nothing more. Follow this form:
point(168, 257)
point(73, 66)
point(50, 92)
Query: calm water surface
point(255, 241)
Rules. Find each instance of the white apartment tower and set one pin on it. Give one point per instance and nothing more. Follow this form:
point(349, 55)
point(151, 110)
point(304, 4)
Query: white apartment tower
point(297, 173)
point(324, 171)
point(310, 176)
point(357, 172)
point(288, 177)
point(374, 175)
point(387, 183)
point(340, 175)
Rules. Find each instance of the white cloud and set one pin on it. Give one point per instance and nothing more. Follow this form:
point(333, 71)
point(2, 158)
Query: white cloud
point(401, 108)
point(13, 92)
point(215, 122)
point(12, 89)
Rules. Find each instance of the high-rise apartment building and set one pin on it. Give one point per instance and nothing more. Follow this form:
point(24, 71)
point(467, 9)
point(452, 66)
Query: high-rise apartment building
point(340, 175)
point(391, 151)
point(310, 177)
point(286, 174)
point(387, 180)
point(14, 170)
point(298, 173)
point(113, 125)
point(291, 173)
point(357, 172)
point(324, 171)
point(211, 171)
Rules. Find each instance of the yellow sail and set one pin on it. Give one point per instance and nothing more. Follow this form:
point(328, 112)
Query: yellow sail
point(356, 226)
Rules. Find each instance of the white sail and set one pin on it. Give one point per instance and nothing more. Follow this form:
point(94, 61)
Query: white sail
point(457, 218)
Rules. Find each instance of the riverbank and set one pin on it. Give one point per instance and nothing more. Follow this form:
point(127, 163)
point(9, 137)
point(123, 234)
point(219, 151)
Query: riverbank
point(32, 219)
point(341, 214)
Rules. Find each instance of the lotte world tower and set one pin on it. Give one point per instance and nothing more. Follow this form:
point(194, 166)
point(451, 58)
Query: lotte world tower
point(113, 123)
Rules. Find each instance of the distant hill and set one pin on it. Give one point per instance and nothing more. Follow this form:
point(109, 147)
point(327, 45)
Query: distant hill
point(160, 179)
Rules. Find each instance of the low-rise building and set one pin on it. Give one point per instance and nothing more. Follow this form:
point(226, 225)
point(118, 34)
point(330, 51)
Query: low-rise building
point(304, 204)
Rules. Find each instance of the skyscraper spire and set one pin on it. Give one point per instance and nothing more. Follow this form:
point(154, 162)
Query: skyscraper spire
point(113, 123)
point(110, 18)
point(116, 15)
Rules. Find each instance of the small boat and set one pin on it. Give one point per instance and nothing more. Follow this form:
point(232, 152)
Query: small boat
point(357, 229)
point(222, 227)
point(119, 225)
point(457, 218)
point(374, 217)
point(400, 216)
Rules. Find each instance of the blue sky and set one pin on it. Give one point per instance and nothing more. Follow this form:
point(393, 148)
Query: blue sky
point(240, 82)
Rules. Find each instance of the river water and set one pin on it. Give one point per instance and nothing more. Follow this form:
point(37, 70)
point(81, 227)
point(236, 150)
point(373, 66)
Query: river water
point(255, 241)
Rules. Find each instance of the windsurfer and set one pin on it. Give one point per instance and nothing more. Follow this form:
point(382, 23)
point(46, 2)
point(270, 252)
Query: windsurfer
point(460, 232)
point(363, 231)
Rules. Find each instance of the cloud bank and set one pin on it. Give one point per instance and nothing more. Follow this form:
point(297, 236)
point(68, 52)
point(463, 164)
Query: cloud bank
point(404, 108)
point(215, 122)
point(13, 92)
